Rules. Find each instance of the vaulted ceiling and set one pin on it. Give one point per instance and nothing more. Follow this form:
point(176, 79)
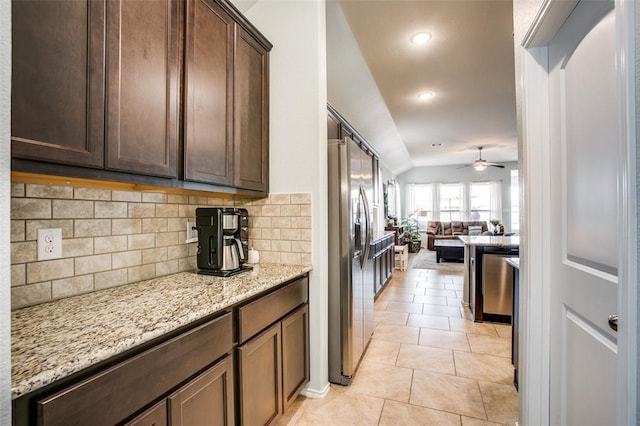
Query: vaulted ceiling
point(467, 65)
point(374, 76)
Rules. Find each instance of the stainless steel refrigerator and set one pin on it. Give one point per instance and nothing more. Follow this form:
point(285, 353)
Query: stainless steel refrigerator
point(350, 269)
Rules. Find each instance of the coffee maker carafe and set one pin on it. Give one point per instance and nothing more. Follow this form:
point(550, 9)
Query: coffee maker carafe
point(223, 239)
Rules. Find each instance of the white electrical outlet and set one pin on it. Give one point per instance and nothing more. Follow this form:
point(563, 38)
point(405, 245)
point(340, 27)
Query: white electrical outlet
point(49, 243)
point(192, 234)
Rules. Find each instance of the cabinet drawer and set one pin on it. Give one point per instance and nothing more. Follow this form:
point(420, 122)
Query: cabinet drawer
point(259, 314)
point(111, 395)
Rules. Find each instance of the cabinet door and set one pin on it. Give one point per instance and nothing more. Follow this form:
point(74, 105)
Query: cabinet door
point(260, 361)
point(295, 354)
point(207, 400)
point(208, 125)
point(376, 275)
point(154, 416)
point(390, 260)
point(143, 71)
point(58, 79)
point(251, 113)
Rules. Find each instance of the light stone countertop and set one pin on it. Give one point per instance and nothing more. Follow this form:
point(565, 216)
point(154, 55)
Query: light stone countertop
point(490, 241)
point(513, 261)
point(56, 339)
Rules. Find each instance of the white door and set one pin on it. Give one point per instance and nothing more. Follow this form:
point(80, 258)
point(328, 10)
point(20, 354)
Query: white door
point(585, 142)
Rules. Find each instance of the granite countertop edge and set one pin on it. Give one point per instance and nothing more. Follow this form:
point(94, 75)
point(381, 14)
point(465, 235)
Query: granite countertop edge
point(513, 261)
point(59, 338)
point(490, 241)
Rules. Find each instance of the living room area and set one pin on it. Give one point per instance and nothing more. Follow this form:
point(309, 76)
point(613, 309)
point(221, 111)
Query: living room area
point(431, 206)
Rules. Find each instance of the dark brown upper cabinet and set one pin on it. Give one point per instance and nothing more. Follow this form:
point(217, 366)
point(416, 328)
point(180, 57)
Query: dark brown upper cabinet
point(143, 91)
point(226, 100)
point(58, 81)
point(251, 113)
point(164, 92)
point(208, 97)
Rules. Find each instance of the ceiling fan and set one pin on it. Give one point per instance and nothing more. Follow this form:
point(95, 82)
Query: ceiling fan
point(480, 164)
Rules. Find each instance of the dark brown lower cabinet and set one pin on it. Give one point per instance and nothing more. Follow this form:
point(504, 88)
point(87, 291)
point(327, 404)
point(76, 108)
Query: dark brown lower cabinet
point(207, 400)
point(383, 258)
point(116, 394)
point(154, 416)
point(273, 368)
point(295, 354)
point(260, 364)
point(194, 378)
point(273, 358)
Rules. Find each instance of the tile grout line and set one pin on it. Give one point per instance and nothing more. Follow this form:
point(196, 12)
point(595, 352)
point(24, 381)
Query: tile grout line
point(484, 407)
point(384, 402)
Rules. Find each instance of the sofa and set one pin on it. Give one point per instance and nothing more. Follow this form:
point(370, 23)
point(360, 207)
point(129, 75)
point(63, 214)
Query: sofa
point(437, 230)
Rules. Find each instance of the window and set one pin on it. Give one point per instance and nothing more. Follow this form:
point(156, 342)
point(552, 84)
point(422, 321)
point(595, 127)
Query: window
point(480, 201)
point(423, 204)
point(450, 201)
point(420, 203)
point(446, 202)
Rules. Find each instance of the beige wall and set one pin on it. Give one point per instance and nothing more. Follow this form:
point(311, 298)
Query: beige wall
point(116, 237)
point(298, 141)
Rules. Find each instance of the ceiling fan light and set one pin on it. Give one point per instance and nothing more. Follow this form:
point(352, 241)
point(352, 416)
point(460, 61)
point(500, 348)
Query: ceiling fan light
point(420, 38)
point(479, 166)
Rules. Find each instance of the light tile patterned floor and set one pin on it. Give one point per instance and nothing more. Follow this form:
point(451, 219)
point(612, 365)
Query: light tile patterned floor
point(427, 364)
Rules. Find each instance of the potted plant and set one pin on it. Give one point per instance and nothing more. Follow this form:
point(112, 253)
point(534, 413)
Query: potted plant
point(411, 236)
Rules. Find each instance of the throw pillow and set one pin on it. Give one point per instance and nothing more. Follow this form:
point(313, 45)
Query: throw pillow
point(475, 230)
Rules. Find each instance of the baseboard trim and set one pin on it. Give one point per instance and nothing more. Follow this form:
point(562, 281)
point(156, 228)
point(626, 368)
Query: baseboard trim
point(315, 393)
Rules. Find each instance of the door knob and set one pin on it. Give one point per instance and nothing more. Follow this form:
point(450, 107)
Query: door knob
point(613, 322)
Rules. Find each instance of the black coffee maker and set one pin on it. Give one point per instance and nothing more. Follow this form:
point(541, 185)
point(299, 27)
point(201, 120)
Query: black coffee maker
point(223, 240)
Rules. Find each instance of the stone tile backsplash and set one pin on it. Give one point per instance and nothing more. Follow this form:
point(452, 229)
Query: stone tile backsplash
point(115, 237)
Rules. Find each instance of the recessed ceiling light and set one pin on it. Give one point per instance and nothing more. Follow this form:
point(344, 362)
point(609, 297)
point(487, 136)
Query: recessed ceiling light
point(426, 95)
point(420, 38)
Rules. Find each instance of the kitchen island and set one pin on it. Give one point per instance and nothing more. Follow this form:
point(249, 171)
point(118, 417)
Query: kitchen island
point(487, 285)
point(66, 341)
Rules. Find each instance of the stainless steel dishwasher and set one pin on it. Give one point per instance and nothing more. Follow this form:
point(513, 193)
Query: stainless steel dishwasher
point(497, 281)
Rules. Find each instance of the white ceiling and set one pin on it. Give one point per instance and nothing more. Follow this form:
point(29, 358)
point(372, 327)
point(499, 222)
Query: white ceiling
point(243, 5)
point(468, 65)
point(374, 75)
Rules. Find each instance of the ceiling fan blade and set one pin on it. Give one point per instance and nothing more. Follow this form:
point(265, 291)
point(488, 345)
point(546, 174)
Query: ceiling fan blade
point(495, 165)
point(466, 165)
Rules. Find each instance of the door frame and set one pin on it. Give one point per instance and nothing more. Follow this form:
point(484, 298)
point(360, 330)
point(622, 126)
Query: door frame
point(534, 154)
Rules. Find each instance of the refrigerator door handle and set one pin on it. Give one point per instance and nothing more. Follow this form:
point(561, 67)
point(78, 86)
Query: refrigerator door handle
point(357, 252)
point(357, 228)
point(367, 240)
